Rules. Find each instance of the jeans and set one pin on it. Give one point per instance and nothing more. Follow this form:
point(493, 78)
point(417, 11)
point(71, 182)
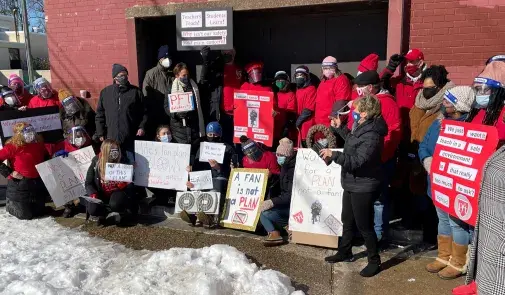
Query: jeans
point(274, 218)
point(382, 205)
point(451, 226)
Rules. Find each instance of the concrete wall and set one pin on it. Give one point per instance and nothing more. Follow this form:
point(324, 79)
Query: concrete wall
point(38, 42)
point(4, 53)
point(6, 22)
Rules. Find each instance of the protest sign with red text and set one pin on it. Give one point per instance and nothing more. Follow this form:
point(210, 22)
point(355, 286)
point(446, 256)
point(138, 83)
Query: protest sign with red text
point(253, 116)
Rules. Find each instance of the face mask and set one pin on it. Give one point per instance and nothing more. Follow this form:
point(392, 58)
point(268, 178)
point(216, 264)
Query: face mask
point(300, 82)
point(430, 92)
point(281, 160)
point(166, 63)
point(361, 90)
point(227, 58)
point(122, 80)
point(444, 112)
point(355, 116)
point(29, 137)
point(184, 80)
point(280, 84)
point(166, 138)
point(213, 139)
point(78, 142)
point(482, 100)
point(411, 69)
point(114, 154)
point(11, 100)
point(329, 73)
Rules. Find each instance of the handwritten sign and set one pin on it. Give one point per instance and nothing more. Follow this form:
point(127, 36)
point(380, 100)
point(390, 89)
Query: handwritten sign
point(253, 116)
point(195, 201)
point(161, 165)
point(118, 172)
point(246, 191)
point(316, 201)
point(201, 180)
point(64, 177)
point(456, 171)
point(181, 102)
point(212, 151)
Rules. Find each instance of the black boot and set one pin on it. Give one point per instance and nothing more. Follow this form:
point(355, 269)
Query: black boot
point(68, 212)
point(339, 257)
point(370, 270)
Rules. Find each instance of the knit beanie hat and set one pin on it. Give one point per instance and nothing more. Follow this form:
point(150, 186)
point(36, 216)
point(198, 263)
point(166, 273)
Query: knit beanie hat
point(285, 147)
point(163, 52)
point(15, 78)
point(369, 63)
point(281, 75)
point(462, 97)
point(329, 61)
point(63, 93)
point(494, 71)
point(117, 68)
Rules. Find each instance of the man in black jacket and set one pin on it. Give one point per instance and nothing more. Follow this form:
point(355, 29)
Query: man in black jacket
point(121, 112)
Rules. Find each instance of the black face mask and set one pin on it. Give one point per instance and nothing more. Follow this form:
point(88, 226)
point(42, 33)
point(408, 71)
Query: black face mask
point(430, 92)
point(300, 82)
point(213, 139)
point(227, 58)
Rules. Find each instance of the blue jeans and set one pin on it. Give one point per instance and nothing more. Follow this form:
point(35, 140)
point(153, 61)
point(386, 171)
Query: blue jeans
point(453, 227)
point(274, 219)
point(382, 205)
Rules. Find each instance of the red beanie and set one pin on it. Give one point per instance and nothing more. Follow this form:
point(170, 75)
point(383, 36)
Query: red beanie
point(369, 63)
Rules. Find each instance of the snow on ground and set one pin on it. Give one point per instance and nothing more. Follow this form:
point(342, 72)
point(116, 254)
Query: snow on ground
point(41, 257)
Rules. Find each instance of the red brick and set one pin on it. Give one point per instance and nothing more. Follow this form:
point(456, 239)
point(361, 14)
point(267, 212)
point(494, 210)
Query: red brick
point(430, 19)
point(457, 17)
point(444, 24)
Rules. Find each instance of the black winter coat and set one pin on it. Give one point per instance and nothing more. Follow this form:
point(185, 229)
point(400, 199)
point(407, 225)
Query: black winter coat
point(286, 183)
point(84, 118)
point(361, 159)
point(120, 114)
point(92, 183)
point(212, 81)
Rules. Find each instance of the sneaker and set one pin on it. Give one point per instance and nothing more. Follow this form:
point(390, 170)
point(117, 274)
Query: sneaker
point(370, 270)
point(189, 218)
point(339, 257)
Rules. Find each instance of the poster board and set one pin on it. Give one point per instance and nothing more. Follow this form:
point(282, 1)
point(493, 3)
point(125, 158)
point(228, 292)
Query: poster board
point(201, 180)
point(204, 27)
point(246, 192)
point(461, 152)
point(64, 177)
point(46, 121)
point(316, 201)
point(161, 165)
point(118, 172)
point(181, 102)
point(212, 151)
point(196, 201)
point(253, 116)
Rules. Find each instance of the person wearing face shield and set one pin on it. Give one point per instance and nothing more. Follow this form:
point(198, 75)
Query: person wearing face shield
point(9, 100)
point(46, 95)
point(257, 157)
point(18, 86)
point(76, 111)
point(305, 102)
point(256, 80)
point(109, 202)
point(156, 86)
point(26, 193)
point(334, 86)
point(286, 106)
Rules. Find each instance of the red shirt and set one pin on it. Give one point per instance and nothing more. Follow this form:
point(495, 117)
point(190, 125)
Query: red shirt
point(232, 82)
point(286, 103)
point(25, 98)
point(306, 99)
point(38, 102)
point(329, 91)
point(268, 161)
point(255, 87)
point(23, 159)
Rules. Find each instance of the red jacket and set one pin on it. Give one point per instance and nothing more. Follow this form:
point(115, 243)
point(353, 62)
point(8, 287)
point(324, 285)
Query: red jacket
point(268, 161)
point(499, 123)
point(38, 102)
point(328, 92)
point(25, 98)
point(255, 87)
point(286, 103)
point(391, 114)
point(232, 81)
point(23, 159)
point(306, 99)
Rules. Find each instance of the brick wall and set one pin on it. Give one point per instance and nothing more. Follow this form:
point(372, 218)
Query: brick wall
point(460, 34)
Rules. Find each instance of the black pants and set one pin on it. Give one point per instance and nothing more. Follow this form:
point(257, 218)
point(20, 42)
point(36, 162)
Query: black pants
point(358, 211)
point(118, 202)
point(26, 198)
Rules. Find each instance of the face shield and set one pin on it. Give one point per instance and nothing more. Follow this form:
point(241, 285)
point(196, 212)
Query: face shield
point(78, 137)
point(11, 99)
point(44, 90)
point(71, 105)
point(483, 86)
point(255, 75)
point(29, 134)
point(329, 71)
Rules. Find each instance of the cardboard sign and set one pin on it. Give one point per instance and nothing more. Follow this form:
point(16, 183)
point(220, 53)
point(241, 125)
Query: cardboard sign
point(161, 165)
point(195, 201)
point(64, 177)
point(316, 200)
point(246, 191)
point(181, 102)
point(46, 122)
point(118, 172)
point(201, 180)
point(456, 171)
point(212, 151)
point(253, 116)
point(205, 27)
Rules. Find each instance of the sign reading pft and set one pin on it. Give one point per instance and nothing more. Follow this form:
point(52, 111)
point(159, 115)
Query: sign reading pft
point(205, 27)
point(181, 102)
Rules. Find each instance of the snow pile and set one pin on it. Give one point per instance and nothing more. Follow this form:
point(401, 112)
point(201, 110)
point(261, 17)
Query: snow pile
point(41, 257)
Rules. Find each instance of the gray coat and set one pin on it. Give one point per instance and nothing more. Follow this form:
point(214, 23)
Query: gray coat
point(487, 254)
point(157, 85)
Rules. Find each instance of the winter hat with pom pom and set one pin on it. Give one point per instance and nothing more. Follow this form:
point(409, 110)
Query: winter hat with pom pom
point(462, 97)
point(285, 147)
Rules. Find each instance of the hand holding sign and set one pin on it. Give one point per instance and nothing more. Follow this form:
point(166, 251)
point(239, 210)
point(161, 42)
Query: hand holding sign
point(212, 151)
point(181, 102)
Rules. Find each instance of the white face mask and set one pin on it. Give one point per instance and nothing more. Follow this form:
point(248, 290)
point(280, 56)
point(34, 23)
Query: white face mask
point(78, 141)
point(166, 63)
point(29, 137)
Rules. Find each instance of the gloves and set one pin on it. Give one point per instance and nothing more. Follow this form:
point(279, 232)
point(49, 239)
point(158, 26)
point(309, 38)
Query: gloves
point(394, 61)
point(427, 164)
point(266, 205)
point(205, 53)
point(305, 114)
point(61, 153)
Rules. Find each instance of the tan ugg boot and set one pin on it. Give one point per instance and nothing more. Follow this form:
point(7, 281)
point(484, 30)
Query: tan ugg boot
point(458, 263)
point(273, 239)
point(444, 254)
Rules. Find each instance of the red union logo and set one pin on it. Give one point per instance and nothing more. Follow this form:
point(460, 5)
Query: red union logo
point(462, 207)
point(298, 217)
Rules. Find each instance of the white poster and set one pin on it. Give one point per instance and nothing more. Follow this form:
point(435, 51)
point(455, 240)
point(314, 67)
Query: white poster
point(246, 191)
point(201, 180)
point(118, 172)
point(181, 102)
point(161, 165)
point(195, 201)
point(64, 177)
point(212, 151)
point(316, 200)
point(40, 123)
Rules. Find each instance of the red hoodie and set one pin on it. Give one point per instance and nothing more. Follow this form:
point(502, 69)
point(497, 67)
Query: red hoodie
point(391, 114)
point(268, 161)
point(306, 99)
point(23, 159)
point(38, 102)
point(232, 81)
point(328, 92)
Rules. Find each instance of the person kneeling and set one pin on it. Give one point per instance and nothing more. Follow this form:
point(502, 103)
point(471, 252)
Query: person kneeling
point(275, 211)
point(108, 200)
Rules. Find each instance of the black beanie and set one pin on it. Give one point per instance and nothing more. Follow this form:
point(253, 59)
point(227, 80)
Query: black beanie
point(116, 69)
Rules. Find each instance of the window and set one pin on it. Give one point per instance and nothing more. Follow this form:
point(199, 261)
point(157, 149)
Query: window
point(15, 58)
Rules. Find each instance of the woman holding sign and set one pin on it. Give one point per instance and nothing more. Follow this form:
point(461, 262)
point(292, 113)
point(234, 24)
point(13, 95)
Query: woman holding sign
point(25, 190)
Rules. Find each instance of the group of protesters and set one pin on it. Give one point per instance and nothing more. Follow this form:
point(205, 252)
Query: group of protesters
point(387, 126)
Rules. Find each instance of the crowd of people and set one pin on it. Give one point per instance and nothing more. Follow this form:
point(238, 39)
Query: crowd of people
point(386, 123)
